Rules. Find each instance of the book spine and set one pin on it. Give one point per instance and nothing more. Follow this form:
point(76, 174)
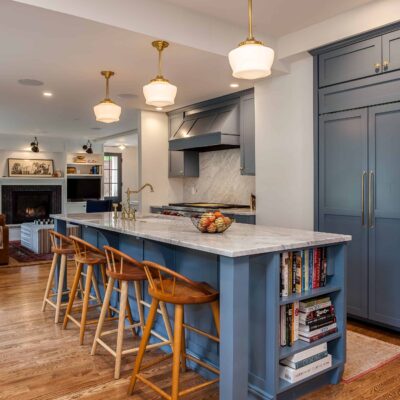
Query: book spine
point(297, 257)
point(310, 268)
point(314, 307)
point(306, 270)
point(317, 337)
point(315, 327)
point(316, 270)
point(290, 273)
point(323, 267)
point(305, 317)
point(302, 355)
point(285, 274)
point(289, 324)
point(294, 268)
point(295, 375)
point(283, 325)
point(296, 324)
point(306, 361)
point(319, 330)
point(319, 320)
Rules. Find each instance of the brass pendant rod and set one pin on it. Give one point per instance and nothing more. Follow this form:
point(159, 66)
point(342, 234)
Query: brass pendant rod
point(159, 62)
point(107, 88)
point(250, 10)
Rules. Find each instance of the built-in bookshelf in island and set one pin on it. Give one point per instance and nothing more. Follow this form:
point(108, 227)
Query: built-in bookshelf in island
point(320, 298)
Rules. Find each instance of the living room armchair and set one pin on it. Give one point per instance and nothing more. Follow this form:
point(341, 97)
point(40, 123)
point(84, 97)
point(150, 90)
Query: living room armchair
point(4, 240)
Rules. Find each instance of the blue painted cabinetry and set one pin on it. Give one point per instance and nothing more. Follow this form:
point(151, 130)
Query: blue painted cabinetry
point(357, 150)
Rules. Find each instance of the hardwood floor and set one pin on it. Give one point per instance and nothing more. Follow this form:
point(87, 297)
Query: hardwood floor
point(39, 360)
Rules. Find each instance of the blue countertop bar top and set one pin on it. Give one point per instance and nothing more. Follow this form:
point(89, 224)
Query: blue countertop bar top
point(239, 240)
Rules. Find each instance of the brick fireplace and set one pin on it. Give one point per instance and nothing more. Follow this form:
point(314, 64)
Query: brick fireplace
point(25, 203)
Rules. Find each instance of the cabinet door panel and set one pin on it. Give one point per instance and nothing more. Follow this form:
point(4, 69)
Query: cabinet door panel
point(391, 51)
point(247, 136)
point(350, 62)
point(342, 161)
point(384, 221)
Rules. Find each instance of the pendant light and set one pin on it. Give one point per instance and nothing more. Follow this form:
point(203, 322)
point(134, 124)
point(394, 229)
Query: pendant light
point(107, 111)
point(251, 59)
point(159, 92)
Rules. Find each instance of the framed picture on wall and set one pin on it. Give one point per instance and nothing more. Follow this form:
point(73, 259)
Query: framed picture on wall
point(19, 167)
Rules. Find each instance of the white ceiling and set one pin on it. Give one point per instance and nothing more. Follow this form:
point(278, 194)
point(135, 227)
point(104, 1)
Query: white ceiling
point(272, 17)
point(68, 53)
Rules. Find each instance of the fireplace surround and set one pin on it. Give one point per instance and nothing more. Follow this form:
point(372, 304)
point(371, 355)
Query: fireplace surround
point(25, 203)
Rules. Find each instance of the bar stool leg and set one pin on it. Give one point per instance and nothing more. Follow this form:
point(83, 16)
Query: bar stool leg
point(121, 326)
point(183, 349)
point(49, 281)
point(72, 294)
point(167, 323)
point(143, 344)
point(177, 351)
point(215, 312)
point(60, 287)
point(138, 295)
point(104, 309)
point(88, 284)
point(96, 287)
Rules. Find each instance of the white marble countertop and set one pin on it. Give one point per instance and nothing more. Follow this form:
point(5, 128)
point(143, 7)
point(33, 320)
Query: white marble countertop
point(238, 240)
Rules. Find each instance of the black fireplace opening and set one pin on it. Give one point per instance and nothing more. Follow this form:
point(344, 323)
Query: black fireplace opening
point(30, 206)
point(26, 203)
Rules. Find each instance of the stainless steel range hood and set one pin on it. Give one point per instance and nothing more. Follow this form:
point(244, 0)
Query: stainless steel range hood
point(216, 128)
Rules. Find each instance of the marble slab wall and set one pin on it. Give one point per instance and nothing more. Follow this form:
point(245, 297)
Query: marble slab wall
point(220, 180)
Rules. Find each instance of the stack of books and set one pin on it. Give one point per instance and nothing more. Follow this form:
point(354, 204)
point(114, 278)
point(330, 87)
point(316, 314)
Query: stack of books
point(316, 319)
point(305, 363)
point(307, 320)
point(303, 270)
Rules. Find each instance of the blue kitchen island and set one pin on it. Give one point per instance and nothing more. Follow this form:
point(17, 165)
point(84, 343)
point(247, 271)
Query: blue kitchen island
point(244, 265)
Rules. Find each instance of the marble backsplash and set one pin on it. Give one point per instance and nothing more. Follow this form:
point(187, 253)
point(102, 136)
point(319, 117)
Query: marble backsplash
point(220, 180)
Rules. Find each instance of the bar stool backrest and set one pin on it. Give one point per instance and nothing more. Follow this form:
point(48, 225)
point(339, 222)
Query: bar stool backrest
point(163, 281)
point(82, 248)
point(116, 260)
point(58, 240)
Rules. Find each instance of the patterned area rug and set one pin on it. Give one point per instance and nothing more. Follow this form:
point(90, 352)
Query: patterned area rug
point(21, 255)
point(365, 354)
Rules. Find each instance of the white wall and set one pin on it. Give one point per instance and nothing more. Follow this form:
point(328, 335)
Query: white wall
point(153, 162)
point(284, 148)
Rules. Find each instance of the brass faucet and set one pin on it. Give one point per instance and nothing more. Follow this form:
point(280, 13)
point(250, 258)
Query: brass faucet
point(129, 191)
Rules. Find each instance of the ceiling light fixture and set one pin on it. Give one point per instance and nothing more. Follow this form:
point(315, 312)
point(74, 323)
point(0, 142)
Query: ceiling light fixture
point(107, 111)
point(88, 147)
point(159, 108)
point(234, 85)
point(35, 145)
point(47, 94)
point(122, 147)
point(159, 92)
point(251, 59)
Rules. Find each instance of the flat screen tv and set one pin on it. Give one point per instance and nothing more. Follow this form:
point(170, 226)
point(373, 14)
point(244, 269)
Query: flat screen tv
point(82, 189)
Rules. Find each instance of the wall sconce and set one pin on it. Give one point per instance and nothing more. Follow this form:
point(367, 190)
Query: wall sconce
point(35, 145)
point(88, 147)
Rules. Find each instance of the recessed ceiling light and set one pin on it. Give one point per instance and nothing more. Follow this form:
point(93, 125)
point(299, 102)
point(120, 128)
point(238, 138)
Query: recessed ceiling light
point(159, 108)
point(127, 96)
point(234, 85)
point(122, 147)
point(47, 94)
point(30, 82)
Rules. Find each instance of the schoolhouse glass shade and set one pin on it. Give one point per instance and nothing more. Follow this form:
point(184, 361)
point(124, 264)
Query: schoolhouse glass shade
point(251, 61)
point(107, 111)
point(159, 93)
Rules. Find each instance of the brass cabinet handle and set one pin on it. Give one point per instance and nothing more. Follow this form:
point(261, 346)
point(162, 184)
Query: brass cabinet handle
point(385, 65)
point(377, 67)
point(371, 199)
point(363, 198)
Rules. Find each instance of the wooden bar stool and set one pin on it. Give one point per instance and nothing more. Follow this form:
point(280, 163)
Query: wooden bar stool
point(62, 246)
point(85, 254)
point(125, 269)
point(170, 287)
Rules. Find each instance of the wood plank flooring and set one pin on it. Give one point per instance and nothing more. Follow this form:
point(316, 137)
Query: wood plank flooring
point(39, 360)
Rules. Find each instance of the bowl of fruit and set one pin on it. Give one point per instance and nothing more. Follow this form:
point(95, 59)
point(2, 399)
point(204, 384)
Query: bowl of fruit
point(212, 222)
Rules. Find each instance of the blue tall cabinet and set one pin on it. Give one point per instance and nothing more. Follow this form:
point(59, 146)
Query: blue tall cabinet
point(357, 151)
